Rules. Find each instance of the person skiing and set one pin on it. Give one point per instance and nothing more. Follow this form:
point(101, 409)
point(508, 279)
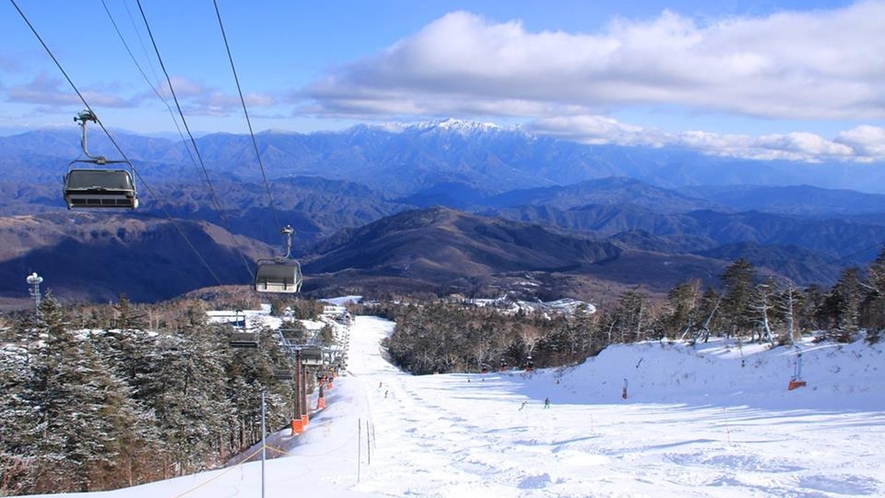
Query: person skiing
point(547, 402)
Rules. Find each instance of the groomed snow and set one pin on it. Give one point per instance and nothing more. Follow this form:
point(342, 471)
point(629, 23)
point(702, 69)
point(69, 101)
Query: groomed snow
point(716, 420)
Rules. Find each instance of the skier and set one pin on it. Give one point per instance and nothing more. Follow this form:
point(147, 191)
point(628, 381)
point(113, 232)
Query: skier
point(546, 402)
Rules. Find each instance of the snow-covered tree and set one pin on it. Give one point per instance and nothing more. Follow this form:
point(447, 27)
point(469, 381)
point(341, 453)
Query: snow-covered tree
point(738, 283)
point(82, 414)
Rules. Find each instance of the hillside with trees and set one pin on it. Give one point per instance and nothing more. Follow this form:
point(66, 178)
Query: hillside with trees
point(99, 397)
point(104, 397)
point(446, 336)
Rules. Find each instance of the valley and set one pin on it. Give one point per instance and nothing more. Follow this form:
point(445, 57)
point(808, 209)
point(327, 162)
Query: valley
point(443, 207)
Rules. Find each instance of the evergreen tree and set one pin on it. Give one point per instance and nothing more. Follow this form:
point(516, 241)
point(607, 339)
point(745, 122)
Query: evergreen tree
point(633, 316)
point(186, 392)
point(843, 306)
point(16, 414)
point(680, 313)
point(708, 313)
point(873, 306)
point(82, 413)
point(738, 283)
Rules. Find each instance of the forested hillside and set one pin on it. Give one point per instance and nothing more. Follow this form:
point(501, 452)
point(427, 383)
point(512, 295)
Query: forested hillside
point(104, 397)
point(451, 337)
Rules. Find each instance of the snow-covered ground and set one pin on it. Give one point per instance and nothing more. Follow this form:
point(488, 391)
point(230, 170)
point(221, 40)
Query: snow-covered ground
point(716, 420)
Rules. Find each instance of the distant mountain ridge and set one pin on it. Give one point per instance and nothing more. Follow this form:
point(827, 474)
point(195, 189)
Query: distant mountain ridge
point(482, 156)
point(445, 205)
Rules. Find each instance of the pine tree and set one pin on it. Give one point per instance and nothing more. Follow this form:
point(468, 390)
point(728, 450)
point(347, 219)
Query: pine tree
point(843, 306)
point(739, 283)
point(185, 390)
point(16, 415)
point(82, 413)
point(873, 305)
point(633, 316)
point(708, 312)
point(681, 311)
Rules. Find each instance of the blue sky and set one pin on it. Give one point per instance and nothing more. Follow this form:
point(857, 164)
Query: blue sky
point(798, 80)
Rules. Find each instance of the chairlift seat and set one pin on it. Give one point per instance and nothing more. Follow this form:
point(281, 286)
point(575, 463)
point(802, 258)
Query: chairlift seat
point(100, 188)
point(243, 340)
point(312, 357)
point(278, 275)
point(282, 374)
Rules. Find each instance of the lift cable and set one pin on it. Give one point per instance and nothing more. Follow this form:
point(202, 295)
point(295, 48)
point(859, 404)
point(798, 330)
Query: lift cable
point(177, 103)
point(113, 141)
point(68, 78)
point(280, 274)
point(212, 193)
point(145, 76)
point(248, 121)
point(216, 204)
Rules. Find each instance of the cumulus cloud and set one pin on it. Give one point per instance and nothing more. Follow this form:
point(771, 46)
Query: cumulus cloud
point(198, 100)
point(46, 91)
point(867, 141)
point(814, 65)
point(863, 144)
point(818, 64)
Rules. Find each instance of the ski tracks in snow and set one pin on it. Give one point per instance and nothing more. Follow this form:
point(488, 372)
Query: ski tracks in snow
point(476, 435)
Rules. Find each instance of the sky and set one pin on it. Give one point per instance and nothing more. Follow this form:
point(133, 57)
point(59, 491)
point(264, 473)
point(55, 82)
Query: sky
point(716, 420)
point(766, 79)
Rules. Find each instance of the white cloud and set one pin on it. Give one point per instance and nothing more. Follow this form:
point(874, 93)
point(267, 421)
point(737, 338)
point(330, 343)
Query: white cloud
point(198, 100)
point(46, 91)
point(862, 144)
point(821, 64)
point(867, 141)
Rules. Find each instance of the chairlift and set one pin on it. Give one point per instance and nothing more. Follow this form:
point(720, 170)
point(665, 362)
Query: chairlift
point(243, 340)
point(282, 374)
point(312, 357)
point(98, 185)
point(280, 274)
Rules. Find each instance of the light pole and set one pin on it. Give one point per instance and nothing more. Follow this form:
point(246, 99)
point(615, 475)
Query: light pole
point(34, 281)
point(263, 442)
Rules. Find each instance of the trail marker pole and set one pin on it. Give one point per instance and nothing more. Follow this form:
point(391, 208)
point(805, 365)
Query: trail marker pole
point(368, 443)
point(263, 444)
point(727, 430)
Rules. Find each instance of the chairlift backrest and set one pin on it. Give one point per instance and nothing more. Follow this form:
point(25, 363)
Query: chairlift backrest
point(98, 185)
point(278, 275)
point(282, 374)
point(97, 188)
point(243, 340)
point(312, 357)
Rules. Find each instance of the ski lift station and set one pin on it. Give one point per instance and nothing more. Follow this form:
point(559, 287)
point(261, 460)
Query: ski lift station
point(241, 319)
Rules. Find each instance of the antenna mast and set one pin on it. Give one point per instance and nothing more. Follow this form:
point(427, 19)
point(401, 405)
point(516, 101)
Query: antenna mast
point(34, 281)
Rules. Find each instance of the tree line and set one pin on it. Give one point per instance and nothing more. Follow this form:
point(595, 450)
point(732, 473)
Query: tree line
point(102, 397)
point(97, 398)
point(444, 336)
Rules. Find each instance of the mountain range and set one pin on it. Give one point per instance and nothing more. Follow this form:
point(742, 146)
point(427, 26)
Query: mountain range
point(443, 206)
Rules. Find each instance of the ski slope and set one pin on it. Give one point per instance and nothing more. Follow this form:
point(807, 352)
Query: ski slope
point(716, 420)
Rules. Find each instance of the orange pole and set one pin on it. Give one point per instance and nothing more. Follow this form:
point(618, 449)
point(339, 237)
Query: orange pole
point(297, 426)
